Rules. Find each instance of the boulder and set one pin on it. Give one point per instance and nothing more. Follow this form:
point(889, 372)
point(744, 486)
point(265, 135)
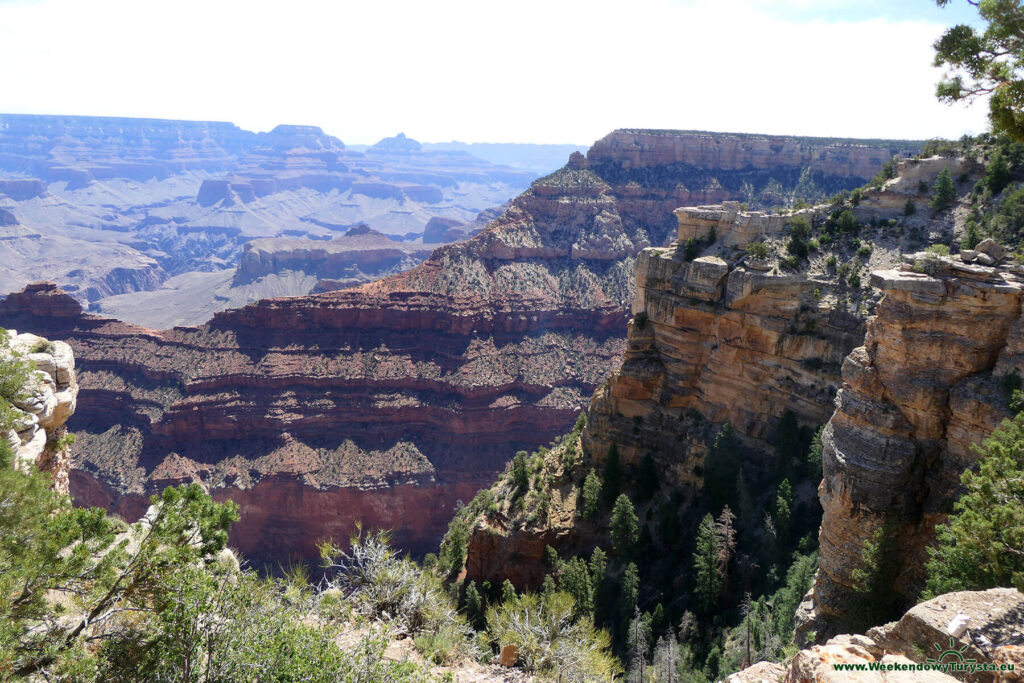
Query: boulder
point(985, 260)
point(992, 248)
point(968, 255)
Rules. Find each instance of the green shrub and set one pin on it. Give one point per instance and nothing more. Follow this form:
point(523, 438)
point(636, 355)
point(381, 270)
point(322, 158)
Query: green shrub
point(551, 641)
point(910, 208)
point(979, 546)
point(758, 250)
point(938, 249)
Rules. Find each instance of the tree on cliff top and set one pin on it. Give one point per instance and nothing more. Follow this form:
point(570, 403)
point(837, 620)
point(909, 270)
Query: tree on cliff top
point(982, 544)
point(987, 62)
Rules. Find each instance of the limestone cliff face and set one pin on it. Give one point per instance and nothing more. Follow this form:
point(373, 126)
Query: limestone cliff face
point(712, 340)
point(730, 341)
point(921, 390)
point(45, 405)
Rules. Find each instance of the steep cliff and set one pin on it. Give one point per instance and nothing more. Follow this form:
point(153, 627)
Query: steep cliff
point(923, 388)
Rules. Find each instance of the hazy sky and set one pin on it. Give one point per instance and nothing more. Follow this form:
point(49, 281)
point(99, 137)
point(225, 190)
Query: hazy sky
point(479, 70)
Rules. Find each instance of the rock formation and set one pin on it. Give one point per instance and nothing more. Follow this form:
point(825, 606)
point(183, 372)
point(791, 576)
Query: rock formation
point(979, 627)
point(923, 388)
point(418, 387)
point(44, 406)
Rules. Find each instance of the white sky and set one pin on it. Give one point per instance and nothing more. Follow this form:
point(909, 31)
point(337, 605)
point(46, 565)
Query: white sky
point(566, 71)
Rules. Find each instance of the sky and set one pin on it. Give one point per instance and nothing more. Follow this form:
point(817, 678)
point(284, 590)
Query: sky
point(544, 71)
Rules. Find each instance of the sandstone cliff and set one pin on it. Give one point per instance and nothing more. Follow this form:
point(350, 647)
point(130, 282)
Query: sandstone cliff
point(44, 406)
point(923, 388)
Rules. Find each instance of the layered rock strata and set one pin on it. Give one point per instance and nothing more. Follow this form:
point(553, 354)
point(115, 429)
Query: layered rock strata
point(44, 405)
point(921, 391)
point(419, 386)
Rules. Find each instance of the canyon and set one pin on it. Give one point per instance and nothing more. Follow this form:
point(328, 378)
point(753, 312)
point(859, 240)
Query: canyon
point(391, 402)
point(907, 374)
point(109, 207)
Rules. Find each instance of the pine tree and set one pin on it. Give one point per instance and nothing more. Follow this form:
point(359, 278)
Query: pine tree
point(971, 234)
point(625, 529)
point(598, 567)
point(612, 478)
point(547, 586)
point(705, 566)
point(980, 545)
point(591, 495)
point(508, 591)
point(875, 598)
point(997, 173)
point(575, 580)
point(474, 606)
point(943, 193)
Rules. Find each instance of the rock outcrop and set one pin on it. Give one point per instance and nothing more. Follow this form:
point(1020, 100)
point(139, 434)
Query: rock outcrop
point(43, 406)
point(733, 343)
point(921, 391)
point(938, 640)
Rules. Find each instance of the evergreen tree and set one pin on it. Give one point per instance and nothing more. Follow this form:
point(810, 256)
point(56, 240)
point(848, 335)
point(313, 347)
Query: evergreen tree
point(547, 586)
point(520, 474)
point(972, 235)
point(910, 208)
point(705, 566)
point(591, 495)
point(508, 591)
point(875, 600)
point(943, 192)
point(721, 467)
point(625, 529)
point(598, 567)
point(575, 580)
point(997, 173)
point(612, 478)
point(630, 589)
point(986, 61)
point(980, 545)
point(474, 606)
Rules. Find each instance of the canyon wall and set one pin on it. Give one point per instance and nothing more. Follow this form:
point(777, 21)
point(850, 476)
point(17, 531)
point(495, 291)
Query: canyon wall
point(920, 392)
point(420, 386)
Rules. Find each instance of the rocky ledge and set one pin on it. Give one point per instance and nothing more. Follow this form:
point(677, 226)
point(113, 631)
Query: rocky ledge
point(979, 627)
